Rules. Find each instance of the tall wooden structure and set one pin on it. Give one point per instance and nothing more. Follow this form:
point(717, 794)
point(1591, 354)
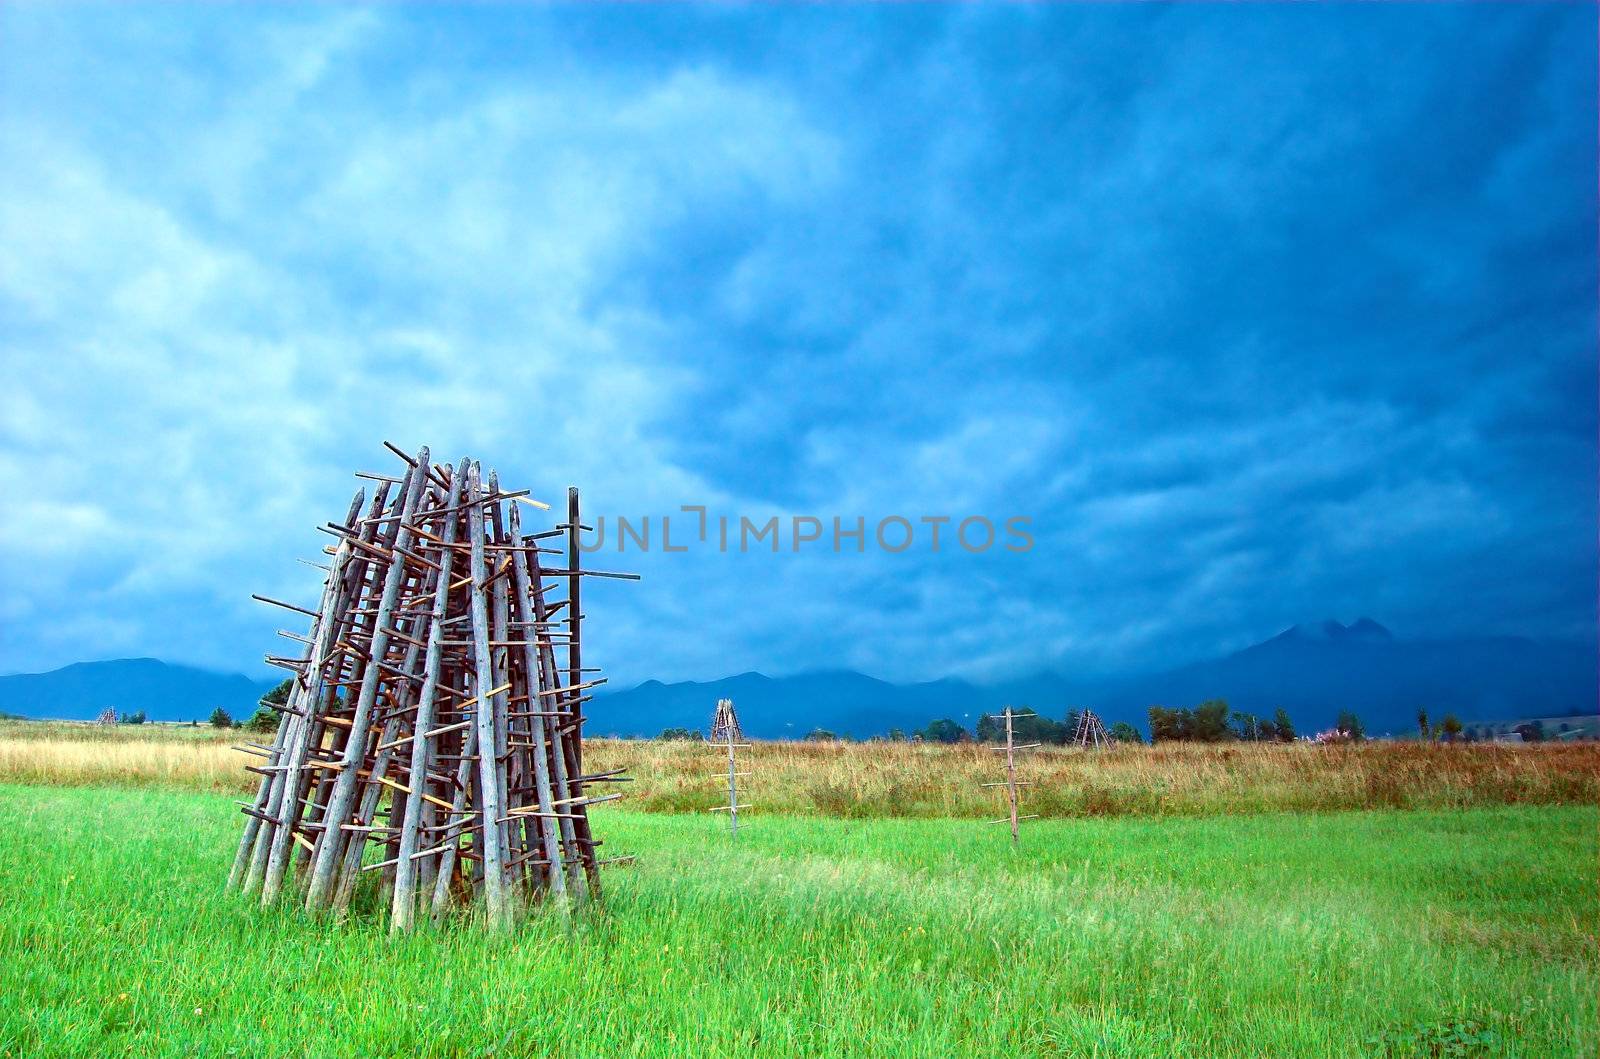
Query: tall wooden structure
point(1013, 785)
point(434, 729)
point(725, 733)
point(1091, 732)
point(725, 723)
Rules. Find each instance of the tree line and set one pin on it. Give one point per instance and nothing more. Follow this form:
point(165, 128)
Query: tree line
point(1213, 722)
point(1041, 729)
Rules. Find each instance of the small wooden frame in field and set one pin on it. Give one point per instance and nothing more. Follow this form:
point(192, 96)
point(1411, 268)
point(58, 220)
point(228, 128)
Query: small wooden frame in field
point(1011, 783)
point(725, 733)
point(1091, 733)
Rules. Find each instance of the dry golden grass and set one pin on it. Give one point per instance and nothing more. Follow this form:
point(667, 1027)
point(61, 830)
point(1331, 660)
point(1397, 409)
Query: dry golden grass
point(913, 779)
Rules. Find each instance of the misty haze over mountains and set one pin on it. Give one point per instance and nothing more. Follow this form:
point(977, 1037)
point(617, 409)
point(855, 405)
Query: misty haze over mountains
point(1312, 670)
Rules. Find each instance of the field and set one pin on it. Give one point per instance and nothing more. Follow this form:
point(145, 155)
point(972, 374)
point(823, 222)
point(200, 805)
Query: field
point(868, 780)
point(1179, 928)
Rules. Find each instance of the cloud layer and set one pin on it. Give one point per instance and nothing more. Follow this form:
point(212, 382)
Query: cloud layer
point(1260, 315)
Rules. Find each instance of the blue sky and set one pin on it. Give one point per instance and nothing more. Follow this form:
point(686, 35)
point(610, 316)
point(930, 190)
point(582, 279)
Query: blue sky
point(1260, 314)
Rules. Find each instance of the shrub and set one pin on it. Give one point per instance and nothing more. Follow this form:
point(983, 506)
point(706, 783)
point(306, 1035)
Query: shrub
point(943, 730)
point(1206, 723)
point(1123, 732)
point(265, 719)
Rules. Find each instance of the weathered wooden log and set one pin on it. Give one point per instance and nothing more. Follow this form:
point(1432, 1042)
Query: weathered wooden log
point(403, 909)
point(489, 774)
point(540, 757)
point(274, 846)
point(322, 871)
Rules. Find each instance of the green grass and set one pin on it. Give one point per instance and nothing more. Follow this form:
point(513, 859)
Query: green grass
point(1269, 935)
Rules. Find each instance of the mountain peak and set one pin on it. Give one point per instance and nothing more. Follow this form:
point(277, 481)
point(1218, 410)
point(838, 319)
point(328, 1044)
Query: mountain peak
point(164, 691)
point(1362, 630)
point(1367, 629)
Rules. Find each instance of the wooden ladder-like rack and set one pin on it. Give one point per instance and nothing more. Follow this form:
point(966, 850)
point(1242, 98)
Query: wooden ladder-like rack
point(436, 710)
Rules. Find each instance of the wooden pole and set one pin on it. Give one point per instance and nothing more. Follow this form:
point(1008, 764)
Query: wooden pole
point(310, 691)
point(350, 569)
point(1011, 775)
point(500, 658)
point(451, 854)
point(332, 841)
point(377, 778)
point(575, 619)
point(253, 821)
point(493, 865)
point(252, 826)
point(540, 731)
point(733, 789)
point(404, 906)
point(1012, 785)
point(572, 746)
point(575, 836)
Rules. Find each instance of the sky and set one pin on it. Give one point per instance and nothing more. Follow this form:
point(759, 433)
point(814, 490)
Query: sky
point(1256, 314)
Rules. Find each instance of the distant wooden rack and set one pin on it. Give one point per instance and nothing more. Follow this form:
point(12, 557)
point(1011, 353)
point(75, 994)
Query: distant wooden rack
point(725, 734)
point(1013, 785)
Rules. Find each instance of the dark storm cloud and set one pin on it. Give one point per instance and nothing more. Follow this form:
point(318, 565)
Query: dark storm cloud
point(1260, 314)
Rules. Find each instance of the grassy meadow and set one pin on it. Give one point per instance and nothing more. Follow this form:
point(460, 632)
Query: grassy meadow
point(1198, 922)
point(1286, 934)
point(922, 780)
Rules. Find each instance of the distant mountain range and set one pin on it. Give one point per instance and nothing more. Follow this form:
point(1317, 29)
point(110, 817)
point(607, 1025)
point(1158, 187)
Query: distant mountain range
point(164, 691)
point(1313, 671)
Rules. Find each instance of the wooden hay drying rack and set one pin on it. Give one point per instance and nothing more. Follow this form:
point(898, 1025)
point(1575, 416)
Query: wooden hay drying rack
point(436, 710)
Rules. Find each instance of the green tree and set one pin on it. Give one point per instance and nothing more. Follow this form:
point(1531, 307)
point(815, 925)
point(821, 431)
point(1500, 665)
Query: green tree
point(821, 735)
point(1422, 724)
point(1211, 721)
point(1172, 725)
point(679, 733)
point(136, 717)
point(896, 735)
point(991, 728)
point(1450, 727)
point(1349, 724)
point(946, 730)
point(1283, 726)
point(265, 719)
point(1037, 729)
point(1123, 732)
point(220, 718)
